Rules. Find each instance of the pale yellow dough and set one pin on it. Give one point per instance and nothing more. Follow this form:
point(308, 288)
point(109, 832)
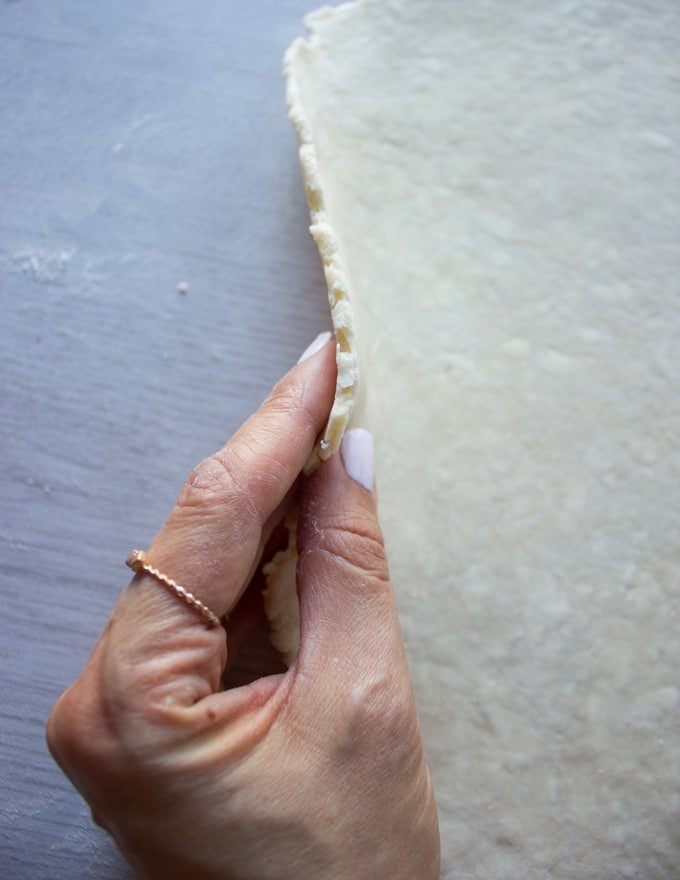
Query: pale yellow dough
point(495, 190)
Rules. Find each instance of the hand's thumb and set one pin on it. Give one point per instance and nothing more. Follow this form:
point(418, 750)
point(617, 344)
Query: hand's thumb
point(347, 606)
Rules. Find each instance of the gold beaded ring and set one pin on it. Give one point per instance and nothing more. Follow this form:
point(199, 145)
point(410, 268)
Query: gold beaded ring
point(138, 561)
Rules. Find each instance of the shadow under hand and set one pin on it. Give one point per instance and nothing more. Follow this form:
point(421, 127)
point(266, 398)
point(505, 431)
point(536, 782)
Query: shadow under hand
point(250, 653)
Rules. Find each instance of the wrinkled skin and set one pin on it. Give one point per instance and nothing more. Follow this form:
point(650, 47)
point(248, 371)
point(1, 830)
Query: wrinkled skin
point(314, 772)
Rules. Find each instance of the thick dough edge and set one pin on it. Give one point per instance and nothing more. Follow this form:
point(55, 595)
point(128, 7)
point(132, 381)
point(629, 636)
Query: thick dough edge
point(337, 280)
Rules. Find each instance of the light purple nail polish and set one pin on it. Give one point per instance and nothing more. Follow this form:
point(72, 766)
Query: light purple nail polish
point(358, 456)
point(317, 345)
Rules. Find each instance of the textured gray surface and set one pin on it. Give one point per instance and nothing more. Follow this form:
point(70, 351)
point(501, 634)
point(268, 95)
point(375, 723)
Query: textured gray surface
point(142, 144)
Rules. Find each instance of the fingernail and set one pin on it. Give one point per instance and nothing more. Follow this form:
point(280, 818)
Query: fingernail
point(317, 345)
point(358, 456)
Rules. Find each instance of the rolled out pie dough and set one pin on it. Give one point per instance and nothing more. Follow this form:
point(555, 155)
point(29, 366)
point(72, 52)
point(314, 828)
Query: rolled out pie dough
point(495, 190)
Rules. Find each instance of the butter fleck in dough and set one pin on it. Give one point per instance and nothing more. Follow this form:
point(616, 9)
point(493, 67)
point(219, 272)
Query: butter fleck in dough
point(495, 191)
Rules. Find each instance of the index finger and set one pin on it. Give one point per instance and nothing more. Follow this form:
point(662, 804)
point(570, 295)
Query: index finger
point(214, 534)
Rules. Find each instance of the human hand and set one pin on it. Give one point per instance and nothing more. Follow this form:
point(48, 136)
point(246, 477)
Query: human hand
point(315, 772)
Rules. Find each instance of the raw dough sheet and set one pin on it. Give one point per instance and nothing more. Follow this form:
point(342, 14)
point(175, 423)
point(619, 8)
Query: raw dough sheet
point(495, 188)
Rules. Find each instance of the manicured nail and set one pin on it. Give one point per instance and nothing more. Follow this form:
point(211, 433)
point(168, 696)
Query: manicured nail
point(358, 456)
point(317, 345)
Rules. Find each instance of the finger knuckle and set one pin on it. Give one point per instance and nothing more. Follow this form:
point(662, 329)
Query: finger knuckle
point(73, 732)
point(216, 482)
point(358, 542)
point(99, 741)
point(380, 706)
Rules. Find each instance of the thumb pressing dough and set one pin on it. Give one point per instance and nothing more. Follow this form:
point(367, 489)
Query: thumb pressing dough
point(495, 190)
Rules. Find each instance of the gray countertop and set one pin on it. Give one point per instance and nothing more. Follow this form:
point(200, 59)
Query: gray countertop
point(143, 145)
